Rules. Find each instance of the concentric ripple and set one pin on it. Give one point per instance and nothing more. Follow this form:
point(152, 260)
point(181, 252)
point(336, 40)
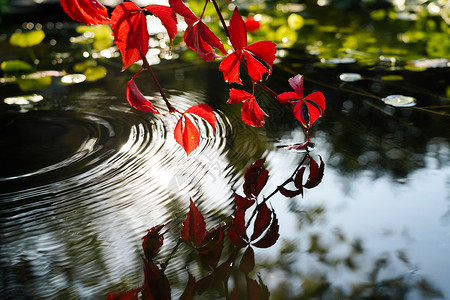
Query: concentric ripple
point(80, 185)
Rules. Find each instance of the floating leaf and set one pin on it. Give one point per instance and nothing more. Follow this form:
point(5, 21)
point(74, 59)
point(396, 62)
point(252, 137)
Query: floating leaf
point(15, 66)
point(95, 73)
point(34, 83)
point(350, 77)
point(399, 101)
point(27, 39)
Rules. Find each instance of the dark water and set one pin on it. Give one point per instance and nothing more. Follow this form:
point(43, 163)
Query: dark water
point(83, 176)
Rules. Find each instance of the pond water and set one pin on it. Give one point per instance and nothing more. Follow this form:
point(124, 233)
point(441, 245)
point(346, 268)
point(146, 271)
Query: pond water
point(83, 176)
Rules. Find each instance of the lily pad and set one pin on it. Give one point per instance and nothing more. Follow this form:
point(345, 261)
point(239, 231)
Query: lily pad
point(27, 39)
point(350, 77)
point(399, 101)
point(16, 66)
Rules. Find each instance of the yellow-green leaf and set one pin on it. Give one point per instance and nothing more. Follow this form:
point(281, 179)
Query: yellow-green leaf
point(27, 39)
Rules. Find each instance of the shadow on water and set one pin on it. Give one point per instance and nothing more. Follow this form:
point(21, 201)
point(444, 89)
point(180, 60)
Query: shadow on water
point(83, 176)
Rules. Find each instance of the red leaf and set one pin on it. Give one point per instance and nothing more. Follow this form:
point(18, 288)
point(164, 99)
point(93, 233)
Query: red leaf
point(251, 24)
point(238, 33)
point(230, 67)
point(271, 235)
point(180, 8)
point(288, 96)
point(316, 106)
point(130, 32)
point(167, 17)
point(193, 229)
point(90, 12)
point(288, 193)
point(152, 241)
point(315, 173)
point(156, 284)
point(238, 96)
point(265, 52)
point(128, 295)
point(255, 178)
point(187, 135)
point(189, 291)
point(201, 39)
point(236, 232)
point(252, 114)
point(211, 248)
point(257, 291)
point(296, 83)
point(247, 263)
point(298, 180)
point(262, 221)
point(205, 112)
point(256, 69)
point(235, 292)
point(243, 203)
point(202, 285)
point(137, 100)
point(209, 37)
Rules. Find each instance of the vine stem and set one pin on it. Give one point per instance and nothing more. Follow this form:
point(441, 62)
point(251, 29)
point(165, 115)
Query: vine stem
point(222, 20)
point(290, 179)
point(166, 262)
point(146, 66)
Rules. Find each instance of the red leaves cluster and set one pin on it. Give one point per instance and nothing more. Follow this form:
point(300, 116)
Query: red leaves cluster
point(198, 36)
point(186, 133)
point(156, 285)
point(306, 109)
point(258, 58)
point(130, 31)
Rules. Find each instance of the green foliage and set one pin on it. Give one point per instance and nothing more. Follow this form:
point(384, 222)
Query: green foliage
point(15, 67)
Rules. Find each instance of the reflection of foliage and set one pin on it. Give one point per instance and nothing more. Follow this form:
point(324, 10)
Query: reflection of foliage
point(218, 257)
point(318, 279)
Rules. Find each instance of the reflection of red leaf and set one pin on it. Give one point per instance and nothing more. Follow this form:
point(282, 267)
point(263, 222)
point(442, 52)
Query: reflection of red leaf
point(205, 112)
point(137, 100)
point(289, 193)
point(156, 284)
point(152, 241)
point(271, 235)
point(186, 134)
point(90, 12)
point(255, 178)
point(259, 57)
point(262, 221)
point(251, 113)
point(247, 263)
point(236, 232)
point(315, 173)
point(189, 291)
point(257, 290)
point(298, 180)
point(211, 248)
point(128, 295)
point(193, 229)
point(243, 203)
